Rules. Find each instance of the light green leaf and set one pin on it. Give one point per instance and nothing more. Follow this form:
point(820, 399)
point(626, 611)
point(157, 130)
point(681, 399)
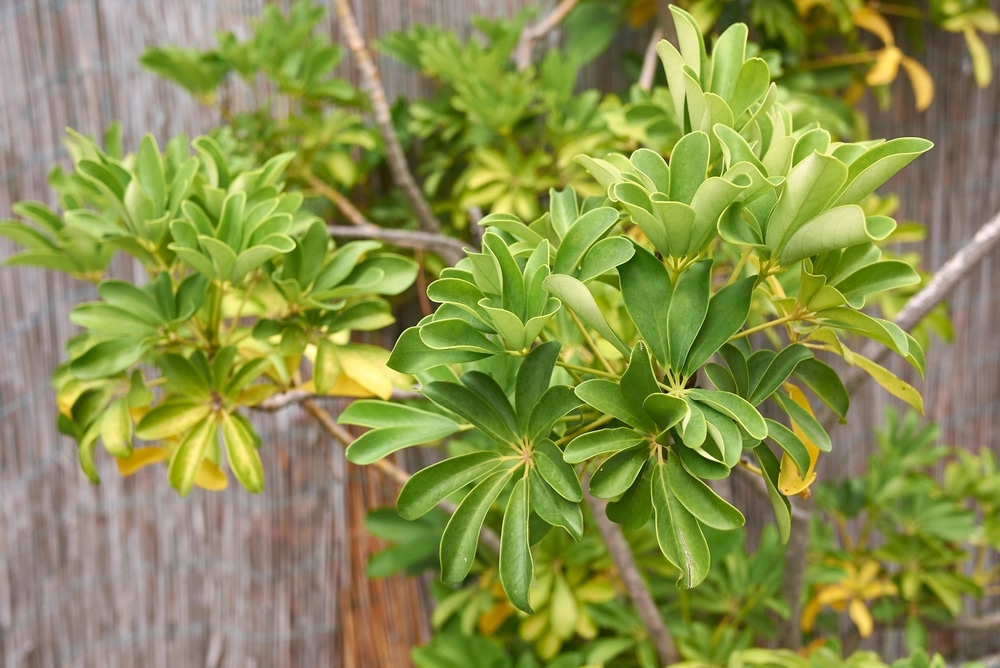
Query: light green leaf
point(108, 358)
point(878, 164)
point(171, 418)
point(116, 428)
point(888, 380)
point(412, 355)
point(770, 466)
point(581, 237)
point(810, 186)
point(187, 457)
point(809, 425)
point(457, 335)
point(576, 297)
point(242, 443)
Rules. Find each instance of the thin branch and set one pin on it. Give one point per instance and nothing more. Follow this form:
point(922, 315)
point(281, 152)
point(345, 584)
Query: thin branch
point(372, 85)
point(292, 397)
point(650, 59)
point(945, 279)
point(522, 53)
point(345, 205)
point(636, 587)
point(450, 249)
point(341, 435)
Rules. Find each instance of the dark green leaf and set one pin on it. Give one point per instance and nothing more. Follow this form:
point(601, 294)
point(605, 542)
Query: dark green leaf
point(516, 567)
point(700, 500)
point(770, 466)
point(646, 291)
point(555, 509)
point(788, 441)
point(412, 355)
point(474, 408)
point(557, 401)
point(727, 312)
point(619, 472)
point(809, 425)
point(461, 536)
point(778, 371)
point(599, 442)
point(548, 460)
point(430, 486)
point(735, 407)
point(687, 310)
point(678, 533)
point(635, 506)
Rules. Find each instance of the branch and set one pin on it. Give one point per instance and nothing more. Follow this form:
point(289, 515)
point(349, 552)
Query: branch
point(636, 587)
point(450, 249)
point(345, 205)
point(945, 279)
point(338, 433)
point(522, 53)
point(649, 59)
point(372, 85)
point(291, 397)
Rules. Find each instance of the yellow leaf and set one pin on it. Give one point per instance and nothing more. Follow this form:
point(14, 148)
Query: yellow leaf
point(585, 626)
point(868, 19)
point(141, 457)
point(365, 366)
point(982, 64)
point(809, 614)
point(888, 380)
point(493, 619)
point(920, 80)
point(789, 480)
point(861, 617)
point(211, 477)
point(885, 68)
point(641, 12)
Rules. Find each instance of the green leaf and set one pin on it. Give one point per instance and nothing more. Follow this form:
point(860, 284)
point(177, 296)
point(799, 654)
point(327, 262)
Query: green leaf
point(807, 192)
point(877, 277)
point(678, 533)
point(554, 508)
point(187, 457)
point(727, 313)
point(430, 486)
point(809, 425)
point(638, 381)
point(687, 310)
point(412, 355)
point(878, 164)
point(581, 237)
point(549, 462)
point(394, 427)
point(666, 411)
point(688, 168)
point(604, 256)
point(700, 500)
point(789, 441)
point(107, 319)
point(490, 391)
point(185, 378)
point(242, 443)
point(619, 472)
point(840, 227)
point(511, 279)
point(557, 401)
point(770, 467)
point(131, 298)
point(825, 384)
point(108, 358)
point(457, 335)
point(575, 296)
point(635, 506)
point(473, 408)
point(600, 442)
point(736, 407)
point(516, 567)
point(646, 291)
point(171, 418)
point(606, 396)
point(461, 536)
point(777, 372)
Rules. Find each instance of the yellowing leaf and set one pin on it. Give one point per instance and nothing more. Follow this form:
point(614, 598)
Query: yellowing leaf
point(885, 68)
point(861, 617)
point(789, 480)
point(888, 380)
point(366, 367)
point(141, 457)
point(868, 19)
point(982, 64)
point(920, 80)
point(491, 620)
point(211, 477)
point(641, 12)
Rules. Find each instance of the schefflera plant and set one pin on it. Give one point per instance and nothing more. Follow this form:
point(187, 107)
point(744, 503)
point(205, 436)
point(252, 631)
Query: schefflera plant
point(243, 288)
point(632, 340)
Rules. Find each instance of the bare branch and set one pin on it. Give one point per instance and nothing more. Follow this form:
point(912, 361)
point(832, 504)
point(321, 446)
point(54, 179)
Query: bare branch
point(345, 205)
point(293, 397)
point(636, 587)
point(945, 279)
point(522, 54)
point(649, 59)
point(372, 85)
point(341, 435)
point(450, 249)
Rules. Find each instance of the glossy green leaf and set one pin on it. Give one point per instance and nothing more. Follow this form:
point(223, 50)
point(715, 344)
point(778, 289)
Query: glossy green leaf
point(619, 472)
point(736, 407)
point(678, 533)
point(877, 277)
point(557, 401)
point(457, 335)
point(554, 508)
point(516, 566)
point(777, 372)
point(242, 444)
point(878, 164)
point(666, 411)
point(836, 228)
point(461, 535)
point(533, 378)
point(687, 310)
point(473, 408)
point(809, 425)
point(431, 485)
point(638, 381)
point(697, 462)
point(825, 384)
point(810, 186)
point(688, 167)
point(184, 377)
point(581, 237)
point(604, 256)
point(578, 298)
point(700, 500)
point(789, 441)
point(646, 291)
point(412, 355)
point(771, 467)
point(600, 442)
point(395, 427)
point(727, 313)
point(491, 392)
point(511, 280)
point(606, 396)
point(549, 462)
point(635, 506)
